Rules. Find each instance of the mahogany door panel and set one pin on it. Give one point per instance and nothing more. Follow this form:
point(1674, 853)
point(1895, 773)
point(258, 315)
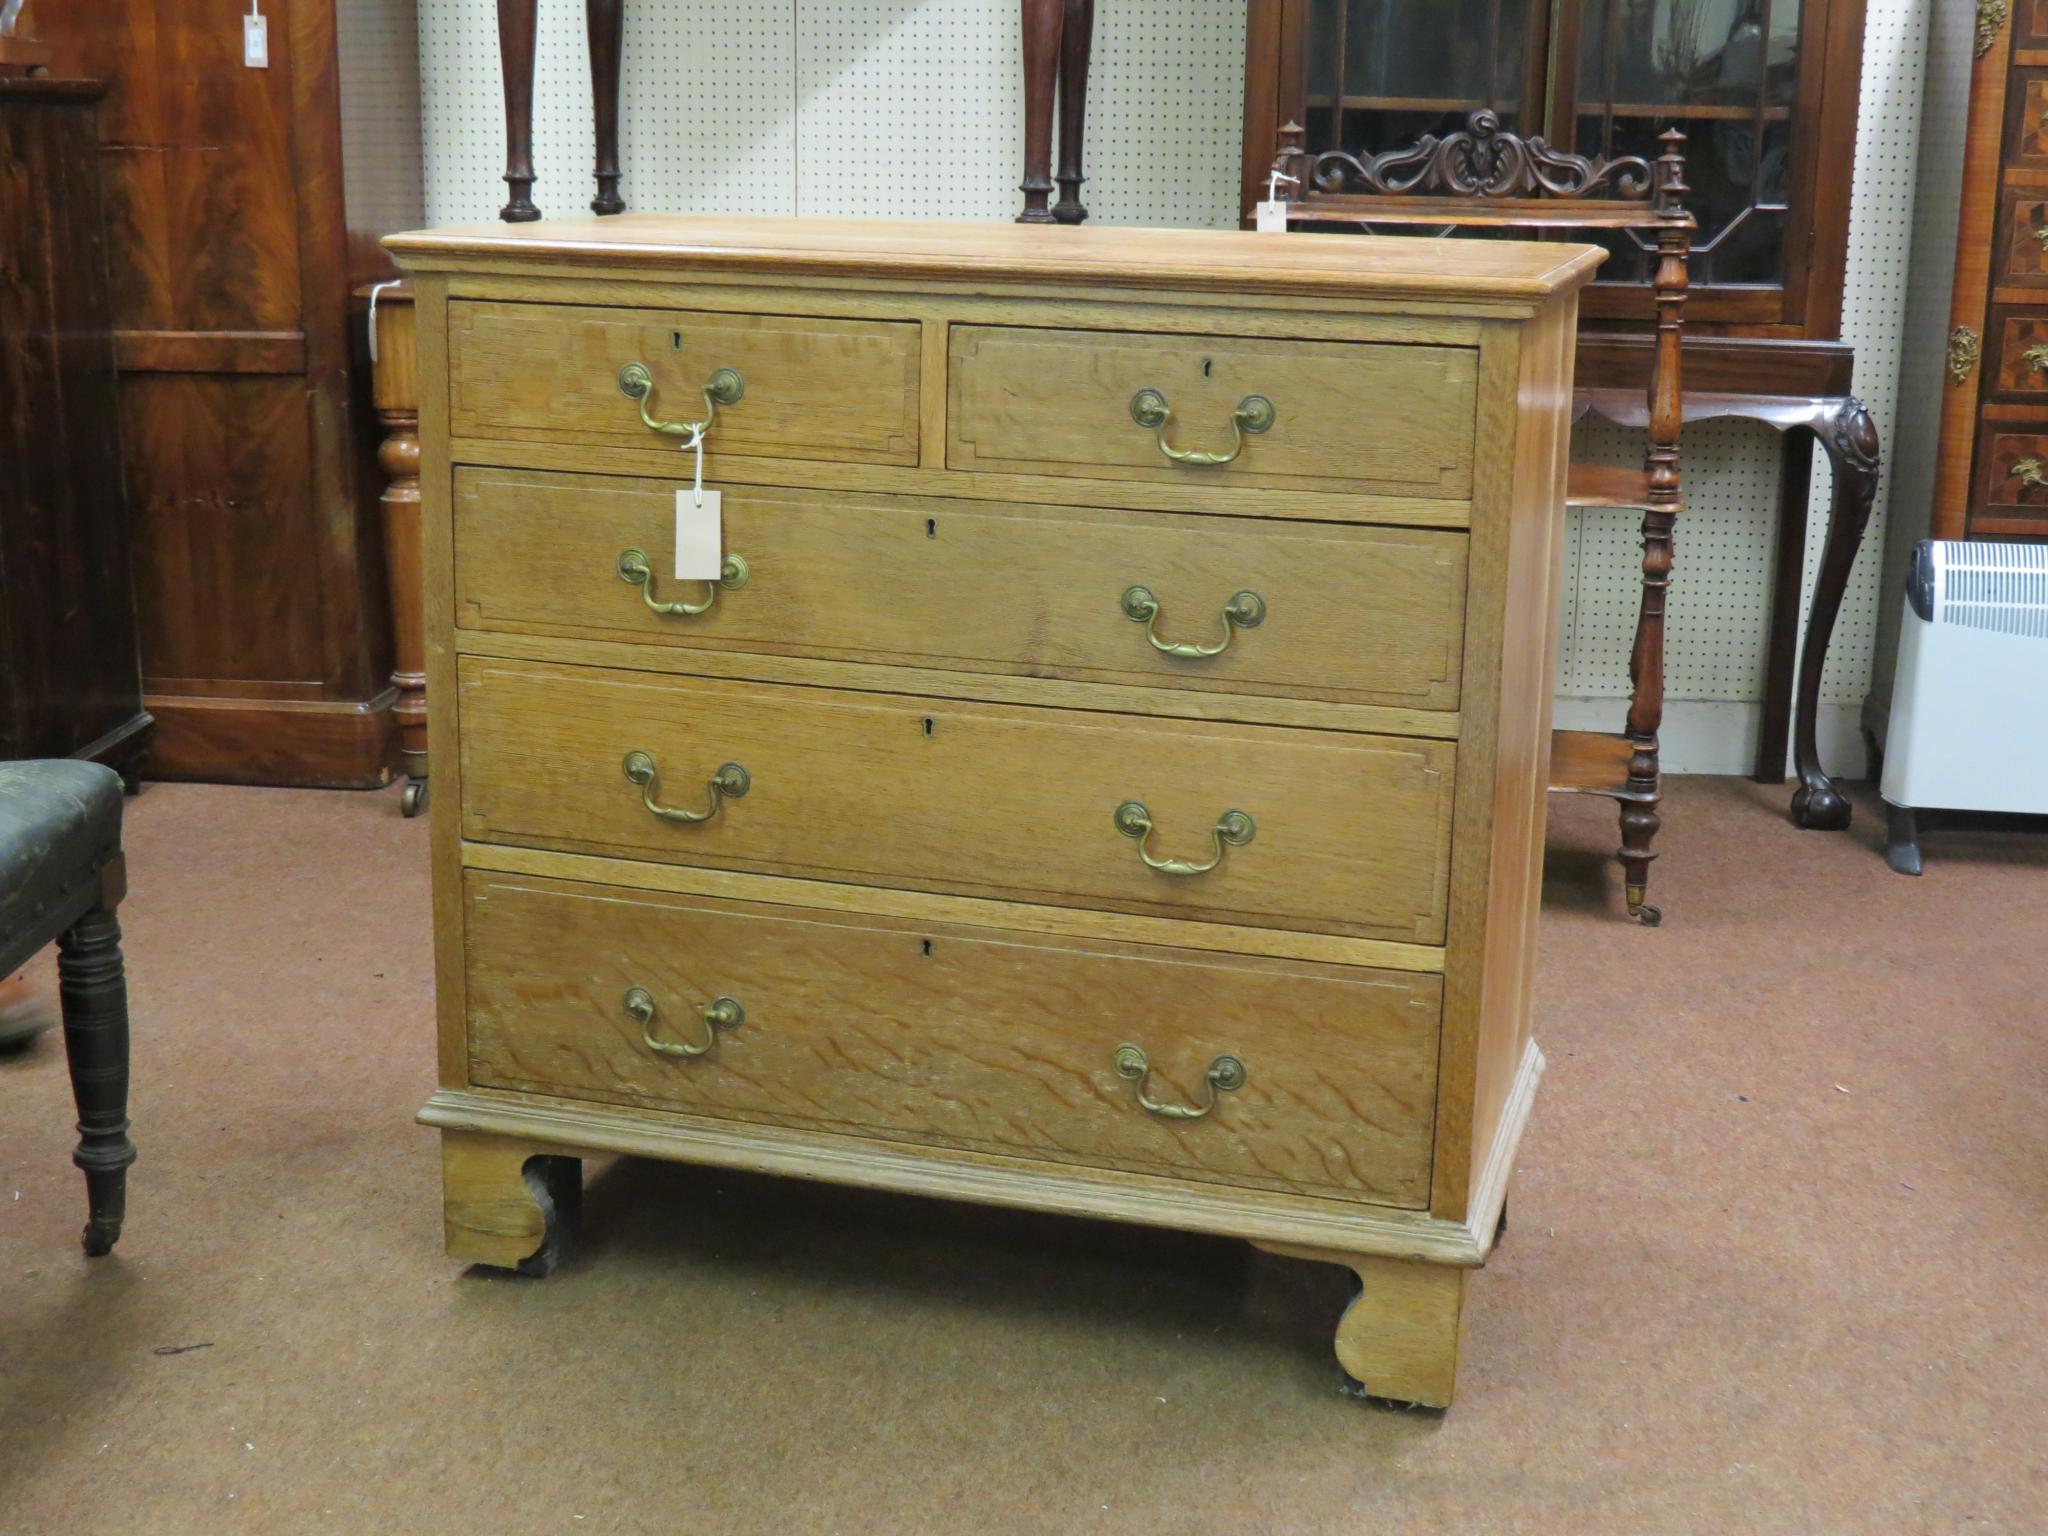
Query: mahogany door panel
point(218, 468)
point(196, 151)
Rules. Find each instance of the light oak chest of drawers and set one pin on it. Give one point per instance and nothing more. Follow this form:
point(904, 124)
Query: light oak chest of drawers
point(1108, 778)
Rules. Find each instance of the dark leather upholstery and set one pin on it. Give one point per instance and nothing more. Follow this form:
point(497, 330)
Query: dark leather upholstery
point(60, 823)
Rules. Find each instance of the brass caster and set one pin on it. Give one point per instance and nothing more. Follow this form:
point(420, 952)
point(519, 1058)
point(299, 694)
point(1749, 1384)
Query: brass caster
point(414, 799)
point(1647, 915)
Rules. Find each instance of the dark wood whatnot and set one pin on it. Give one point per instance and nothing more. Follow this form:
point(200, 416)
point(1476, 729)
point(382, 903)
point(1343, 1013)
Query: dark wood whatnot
point(604, 21)
point(1484, 176)
point(243, 206)
point(70, 681)
point(1760, 326)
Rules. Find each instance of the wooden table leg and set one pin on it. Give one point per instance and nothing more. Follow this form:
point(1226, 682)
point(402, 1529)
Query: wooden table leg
point(1077, 42)
point(1849, 437)
point(1042, 27)
point(605, 20)
point(395, 392)
point(1788, 577)
point(516, 36)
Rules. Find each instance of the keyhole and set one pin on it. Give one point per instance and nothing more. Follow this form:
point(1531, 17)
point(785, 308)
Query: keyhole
point(931, 527)
point(1208, 363)
point(675, 341)
point(927, 946)
point(927, 725)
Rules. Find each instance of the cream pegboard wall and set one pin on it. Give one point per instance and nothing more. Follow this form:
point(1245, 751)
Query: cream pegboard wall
point(915, 108)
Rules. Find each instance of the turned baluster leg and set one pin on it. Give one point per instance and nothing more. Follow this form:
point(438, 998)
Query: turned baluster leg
point(1644, 791)
point(1849, 437)
point(1042, 27)
point(605, 21)
point(1077, 41)
point(516, 39)
point(395, 391)
point(93, 993)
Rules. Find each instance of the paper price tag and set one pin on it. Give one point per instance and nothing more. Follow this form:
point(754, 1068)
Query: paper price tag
point(700, 538)
point(256, 41)
point(1272, 218)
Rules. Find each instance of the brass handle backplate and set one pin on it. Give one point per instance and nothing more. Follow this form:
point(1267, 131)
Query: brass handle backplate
point(1245, 610)
point(1233, 829)
point(1254, 413)
point(724, 387)
point(1225, 1075)
point(731, 782)
point(722, 1013)
point(635, 569)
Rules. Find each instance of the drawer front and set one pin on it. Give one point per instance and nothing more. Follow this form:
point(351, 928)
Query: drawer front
point(956, 1037)
point(2017, 369)
point(1347, 417)
point(1362, 615)
point(2012, 476)
point(1349, 834)
point(837, 390)
point(2023, 244)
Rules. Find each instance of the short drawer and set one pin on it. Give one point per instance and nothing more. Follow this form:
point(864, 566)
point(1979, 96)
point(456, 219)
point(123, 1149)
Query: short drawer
point(811, 388)
point(1335, 833)
point(967, 1038)
point(2016, 364)
point(1345, 417)
point(1361, 615)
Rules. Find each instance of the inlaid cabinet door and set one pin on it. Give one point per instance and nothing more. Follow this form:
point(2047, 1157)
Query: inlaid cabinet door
point(2026, 122)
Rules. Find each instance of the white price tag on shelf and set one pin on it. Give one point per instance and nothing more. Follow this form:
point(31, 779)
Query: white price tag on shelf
point(700, 540)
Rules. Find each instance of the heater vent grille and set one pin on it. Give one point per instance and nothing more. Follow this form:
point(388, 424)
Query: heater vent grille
point(2001, 587)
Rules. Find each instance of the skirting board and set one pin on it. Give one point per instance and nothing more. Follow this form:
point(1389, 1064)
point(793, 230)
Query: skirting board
point(1710, 736)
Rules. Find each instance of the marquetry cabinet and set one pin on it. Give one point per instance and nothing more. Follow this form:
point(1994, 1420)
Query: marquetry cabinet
point(1974, 463)
point(243, 205)
point(1095, 776)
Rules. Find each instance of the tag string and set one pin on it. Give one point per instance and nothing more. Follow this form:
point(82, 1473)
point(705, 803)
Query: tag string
point(697, 442)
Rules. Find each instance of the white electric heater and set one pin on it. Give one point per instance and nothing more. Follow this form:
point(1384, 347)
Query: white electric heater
point(1969, 720)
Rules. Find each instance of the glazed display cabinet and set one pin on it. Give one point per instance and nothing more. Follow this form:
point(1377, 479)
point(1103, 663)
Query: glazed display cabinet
point(1765, 91)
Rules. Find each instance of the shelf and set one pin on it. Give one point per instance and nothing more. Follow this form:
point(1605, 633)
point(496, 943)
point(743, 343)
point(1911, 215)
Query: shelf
point(1593, 111)
point(1610, 485)
point(1592, 763)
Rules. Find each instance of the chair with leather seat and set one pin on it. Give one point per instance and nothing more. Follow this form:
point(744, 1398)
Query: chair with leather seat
point(61, 877)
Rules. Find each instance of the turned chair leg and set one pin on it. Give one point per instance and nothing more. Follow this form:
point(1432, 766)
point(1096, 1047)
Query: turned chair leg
point(1639, 824)
point(94, 995)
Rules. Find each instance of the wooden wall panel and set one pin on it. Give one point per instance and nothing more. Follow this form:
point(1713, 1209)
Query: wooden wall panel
point(245, 397)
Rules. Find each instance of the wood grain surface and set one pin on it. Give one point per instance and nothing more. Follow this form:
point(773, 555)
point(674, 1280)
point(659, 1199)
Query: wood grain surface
point(984, 799)
point(1349, 417)
point(1365, 616)
point(959, 1037)
point(816, 388)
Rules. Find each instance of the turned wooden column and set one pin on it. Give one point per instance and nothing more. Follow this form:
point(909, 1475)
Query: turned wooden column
point(1059, 35)
point(395, 391)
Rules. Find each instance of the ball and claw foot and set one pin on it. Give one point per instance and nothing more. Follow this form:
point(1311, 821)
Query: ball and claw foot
point(1820, 807)
point(414, 799)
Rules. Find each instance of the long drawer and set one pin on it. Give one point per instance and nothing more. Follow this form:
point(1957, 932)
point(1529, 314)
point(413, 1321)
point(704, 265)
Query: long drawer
point(1343, 417)
point(1322, 831)
point(1363, 615)
point(970, 1038)
point(844, 391)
